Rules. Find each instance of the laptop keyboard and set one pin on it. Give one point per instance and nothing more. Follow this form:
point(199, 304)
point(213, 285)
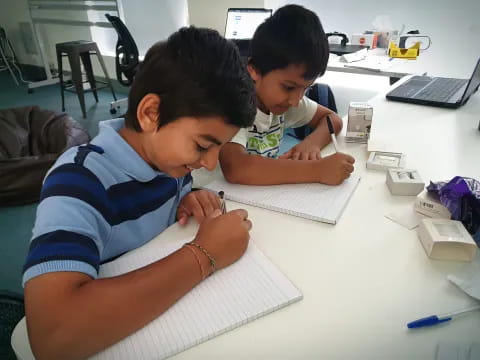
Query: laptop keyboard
point(440, 90)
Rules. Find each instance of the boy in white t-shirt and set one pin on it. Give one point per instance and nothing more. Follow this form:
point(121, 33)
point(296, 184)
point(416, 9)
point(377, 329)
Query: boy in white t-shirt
point(288, 52)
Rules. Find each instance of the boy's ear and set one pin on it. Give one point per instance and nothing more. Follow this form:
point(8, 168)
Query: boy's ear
point(148, 112)
point(254, 73)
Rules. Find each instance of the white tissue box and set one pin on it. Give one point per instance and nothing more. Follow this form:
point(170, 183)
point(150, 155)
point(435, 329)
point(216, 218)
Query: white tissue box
point(429, 204)
point(404, 182)
point(446, 240)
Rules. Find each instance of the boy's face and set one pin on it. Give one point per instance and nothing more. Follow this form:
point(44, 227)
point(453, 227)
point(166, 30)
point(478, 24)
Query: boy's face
point(182, 145)
point(280, 89)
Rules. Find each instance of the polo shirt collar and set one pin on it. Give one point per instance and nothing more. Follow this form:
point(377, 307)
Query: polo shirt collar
point(263, 121)
point(121, 153)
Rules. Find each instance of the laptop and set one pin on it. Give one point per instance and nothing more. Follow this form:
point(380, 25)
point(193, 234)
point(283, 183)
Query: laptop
point(437, 91)
point(241, 25)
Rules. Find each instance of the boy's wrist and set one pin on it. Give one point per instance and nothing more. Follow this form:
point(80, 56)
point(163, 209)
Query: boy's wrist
point(314, 170)
point(205, 261)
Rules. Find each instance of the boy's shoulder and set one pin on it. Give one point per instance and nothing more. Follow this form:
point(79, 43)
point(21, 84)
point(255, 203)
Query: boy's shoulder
point(84, 160)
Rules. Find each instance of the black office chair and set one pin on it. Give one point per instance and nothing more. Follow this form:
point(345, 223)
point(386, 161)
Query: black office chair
point(126, 57)
point(321, 94)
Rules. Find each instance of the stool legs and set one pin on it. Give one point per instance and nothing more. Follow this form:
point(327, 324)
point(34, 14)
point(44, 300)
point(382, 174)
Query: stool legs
point(77, 80)
point(60, 76)
point(79, 52)
point(104, 68)
point(87, 64)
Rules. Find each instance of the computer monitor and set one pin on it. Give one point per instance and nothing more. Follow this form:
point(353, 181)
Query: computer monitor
point(242, 22)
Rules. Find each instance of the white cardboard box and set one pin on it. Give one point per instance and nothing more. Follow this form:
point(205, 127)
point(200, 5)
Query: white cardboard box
point(446, 240)
point(380, 160)
point(369, 40)
point(359, 122)
point(428, 204)
point(404, 182)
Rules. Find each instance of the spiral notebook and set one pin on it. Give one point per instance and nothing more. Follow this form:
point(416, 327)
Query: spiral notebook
point(246, 290)
point(317, 202)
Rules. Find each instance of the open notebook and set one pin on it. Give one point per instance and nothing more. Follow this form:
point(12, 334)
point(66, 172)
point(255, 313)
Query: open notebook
point(250, 288)
point(318, 202)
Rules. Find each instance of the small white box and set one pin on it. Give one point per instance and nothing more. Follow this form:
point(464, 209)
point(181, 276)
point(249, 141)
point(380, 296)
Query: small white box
point(429, 204)
point(446, 240)
point(379, 160)
point(404, 182)
point(359, 122)
point(369, 40)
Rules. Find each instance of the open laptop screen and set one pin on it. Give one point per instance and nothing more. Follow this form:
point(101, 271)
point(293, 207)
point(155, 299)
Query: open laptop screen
point(474, 83)
point(242, 22)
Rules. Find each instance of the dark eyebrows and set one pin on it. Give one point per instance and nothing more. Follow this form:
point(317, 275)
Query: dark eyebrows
point(211, 138)
point(293, 83)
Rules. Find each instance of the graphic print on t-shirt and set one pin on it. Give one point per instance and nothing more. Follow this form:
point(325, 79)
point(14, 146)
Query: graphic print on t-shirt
point(266, 143)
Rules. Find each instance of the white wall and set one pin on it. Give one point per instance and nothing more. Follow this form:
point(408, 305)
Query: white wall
point(148, 21)
point(11, 13)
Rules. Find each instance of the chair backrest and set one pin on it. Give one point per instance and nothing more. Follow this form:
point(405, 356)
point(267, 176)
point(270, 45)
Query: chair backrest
point(126, 51)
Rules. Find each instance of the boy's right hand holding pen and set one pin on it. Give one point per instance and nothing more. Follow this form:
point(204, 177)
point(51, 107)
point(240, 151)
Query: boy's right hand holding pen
point(224, 237)
point(338, 166)
point(330, 170)
point(334, 169)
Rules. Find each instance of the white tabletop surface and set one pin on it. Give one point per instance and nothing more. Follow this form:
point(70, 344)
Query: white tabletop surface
point(428, 62)
point(366, 277)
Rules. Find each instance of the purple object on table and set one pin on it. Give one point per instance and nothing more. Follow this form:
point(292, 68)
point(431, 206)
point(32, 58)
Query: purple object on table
point(461, 196)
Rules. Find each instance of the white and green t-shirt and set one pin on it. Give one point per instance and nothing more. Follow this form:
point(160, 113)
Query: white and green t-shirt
point(265, 135)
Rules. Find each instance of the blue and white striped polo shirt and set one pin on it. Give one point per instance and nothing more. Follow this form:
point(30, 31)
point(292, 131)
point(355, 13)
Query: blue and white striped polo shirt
point(97, 202)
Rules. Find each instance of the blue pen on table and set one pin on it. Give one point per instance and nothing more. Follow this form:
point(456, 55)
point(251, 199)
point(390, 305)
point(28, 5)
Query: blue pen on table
point(331, 130)
point(438, 319)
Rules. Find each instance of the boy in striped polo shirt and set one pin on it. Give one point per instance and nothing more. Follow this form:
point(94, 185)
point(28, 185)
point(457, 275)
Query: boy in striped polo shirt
point(190, 96)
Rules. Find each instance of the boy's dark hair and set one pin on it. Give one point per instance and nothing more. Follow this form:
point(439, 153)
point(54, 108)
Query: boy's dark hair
point(196, 72)
point(293, 35)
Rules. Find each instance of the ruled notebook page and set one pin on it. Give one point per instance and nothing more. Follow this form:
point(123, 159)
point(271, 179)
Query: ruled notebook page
point(318, 202)
point(250, 288)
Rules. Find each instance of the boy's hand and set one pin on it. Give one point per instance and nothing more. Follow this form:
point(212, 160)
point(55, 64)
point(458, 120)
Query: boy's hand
point(335, 168)
point(225, 236)
point(306, 150)
point(199, 204)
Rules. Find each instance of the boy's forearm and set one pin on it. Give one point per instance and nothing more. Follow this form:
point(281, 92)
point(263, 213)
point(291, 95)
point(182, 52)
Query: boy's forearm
point(87, 319)
point(258, 170)
point(321, 135)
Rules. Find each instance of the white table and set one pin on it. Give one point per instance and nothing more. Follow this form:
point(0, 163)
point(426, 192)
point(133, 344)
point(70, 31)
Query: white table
point(366, 277)
point(397, 67)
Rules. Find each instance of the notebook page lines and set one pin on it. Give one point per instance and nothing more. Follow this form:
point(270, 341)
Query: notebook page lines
point(312, 201)
point(235, 295)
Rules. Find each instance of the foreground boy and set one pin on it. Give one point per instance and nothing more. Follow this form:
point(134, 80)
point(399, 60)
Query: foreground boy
point(288, 52)
point(125, 187)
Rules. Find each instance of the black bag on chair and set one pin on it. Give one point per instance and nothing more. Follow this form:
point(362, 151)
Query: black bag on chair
point(323, 95)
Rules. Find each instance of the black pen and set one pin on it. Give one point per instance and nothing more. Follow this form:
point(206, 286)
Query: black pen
point(332, 133)
point(222, 202)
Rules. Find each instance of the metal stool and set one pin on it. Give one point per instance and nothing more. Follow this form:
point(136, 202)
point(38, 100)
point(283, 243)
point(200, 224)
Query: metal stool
point(76, 50)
